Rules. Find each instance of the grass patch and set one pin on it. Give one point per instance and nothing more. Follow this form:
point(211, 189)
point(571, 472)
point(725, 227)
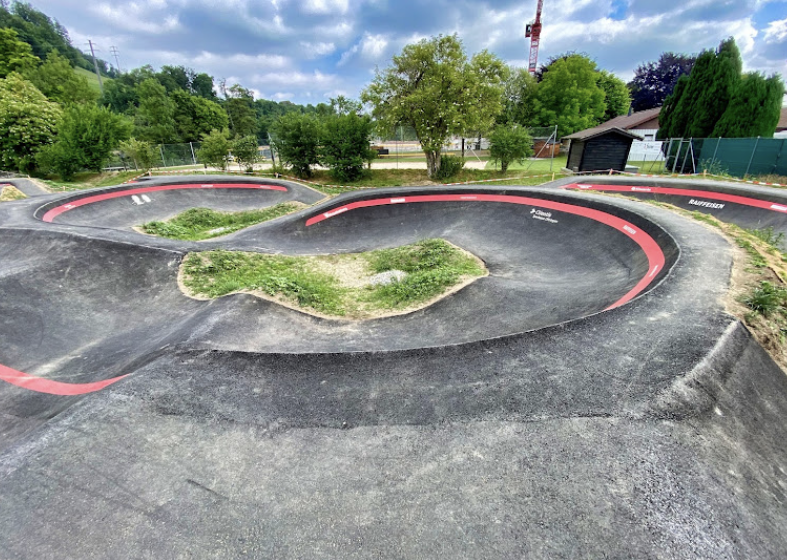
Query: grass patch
point(196, 224)
point(9, 193)
point(540, 165)
point(336, 285)
point(380, 178)
point(91, 180)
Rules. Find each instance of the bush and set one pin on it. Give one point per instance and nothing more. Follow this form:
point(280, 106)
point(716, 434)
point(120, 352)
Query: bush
point(345, 146)
point(449, 167)
point(296, 138)
point(246, 152)
point(143, 153)
point(215, 149)
point(508, 144)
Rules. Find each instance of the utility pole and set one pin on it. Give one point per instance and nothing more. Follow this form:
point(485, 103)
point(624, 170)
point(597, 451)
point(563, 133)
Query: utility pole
point(95, 64)
point(114, 50)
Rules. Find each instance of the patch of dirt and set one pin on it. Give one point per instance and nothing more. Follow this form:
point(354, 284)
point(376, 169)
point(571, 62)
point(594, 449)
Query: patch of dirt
point(10, 193)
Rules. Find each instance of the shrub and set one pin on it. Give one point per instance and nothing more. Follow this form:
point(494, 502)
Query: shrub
point(449, 167)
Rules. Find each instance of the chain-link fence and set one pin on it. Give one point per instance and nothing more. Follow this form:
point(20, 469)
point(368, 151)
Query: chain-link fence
point(738, 157)
point(170, 155)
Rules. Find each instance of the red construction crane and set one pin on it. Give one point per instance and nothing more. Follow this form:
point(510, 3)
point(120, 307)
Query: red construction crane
point(533, 30)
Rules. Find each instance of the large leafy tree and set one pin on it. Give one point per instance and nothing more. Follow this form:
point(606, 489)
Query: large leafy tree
point(86, 135)
point(345, 145)
point(296, 138)
point(202, 85)
point(155, 121)
point(701, 98)
point(239, 105)
point(27, 121)
point(616, 95)
point(569, 95)
point(195, 116)
point(57, 80)
point(654, 81)
point(519, 93)
point(754, 109)
point(433, 87)
point(15, 54)
point(175, 78)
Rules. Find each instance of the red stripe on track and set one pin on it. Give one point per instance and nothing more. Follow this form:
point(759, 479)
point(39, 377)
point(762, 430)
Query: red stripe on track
point(648, 245)
point(41, 385)
point(55, 212)
point(734, 198)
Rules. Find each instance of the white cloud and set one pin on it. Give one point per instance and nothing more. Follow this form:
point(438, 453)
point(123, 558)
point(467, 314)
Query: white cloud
point(314, 50)
point(280, 96)
point(138, 17)
point(313, 80)
point(776, 31)
point(325, 6)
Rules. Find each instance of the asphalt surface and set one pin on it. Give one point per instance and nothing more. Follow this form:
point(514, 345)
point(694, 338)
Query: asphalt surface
point(519, 418)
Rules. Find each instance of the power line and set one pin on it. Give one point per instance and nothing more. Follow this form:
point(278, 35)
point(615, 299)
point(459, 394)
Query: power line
point(95, 64)
point(114, 50)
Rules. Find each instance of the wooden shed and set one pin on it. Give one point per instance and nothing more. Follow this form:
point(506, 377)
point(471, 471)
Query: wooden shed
point(599, 149)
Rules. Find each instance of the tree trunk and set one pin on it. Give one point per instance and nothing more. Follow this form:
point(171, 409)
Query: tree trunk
point(432, 162)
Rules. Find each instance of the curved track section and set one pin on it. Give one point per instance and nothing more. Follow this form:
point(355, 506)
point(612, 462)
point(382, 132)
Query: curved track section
point(532, 414)
point(746, 206)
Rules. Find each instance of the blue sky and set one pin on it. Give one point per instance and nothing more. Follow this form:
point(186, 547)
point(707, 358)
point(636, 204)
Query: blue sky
point(310, 50)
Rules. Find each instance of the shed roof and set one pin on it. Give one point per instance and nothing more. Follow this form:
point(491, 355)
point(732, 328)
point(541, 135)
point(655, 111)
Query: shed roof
point(600, 131)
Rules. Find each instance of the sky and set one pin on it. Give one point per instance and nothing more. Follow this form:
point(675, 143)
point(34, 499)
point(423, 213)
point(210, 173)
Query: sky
point(308, 51)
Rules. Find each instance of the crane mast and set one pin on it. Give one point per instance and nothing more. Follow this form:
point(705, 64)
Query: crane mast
point(534, 32)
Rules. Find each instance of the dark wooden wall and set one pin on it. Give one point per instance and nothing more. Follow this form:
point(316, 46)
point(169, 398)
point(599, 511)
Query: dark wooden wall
point(609, 151)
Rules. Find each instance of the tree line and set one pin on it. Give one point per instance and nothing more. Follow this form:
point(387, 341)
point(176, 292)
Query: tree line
point(53, 121)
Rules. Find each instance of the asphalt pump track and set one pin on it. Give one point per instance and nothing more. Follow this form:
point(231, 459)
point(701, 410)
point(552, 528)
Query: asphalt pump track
point(590, 398)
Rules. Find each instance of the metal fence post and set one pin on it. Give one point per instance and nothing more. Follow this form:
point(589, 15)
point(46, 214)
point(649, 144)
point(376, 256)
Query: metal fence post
point(193, 157)
point(161, 151)
point(713, 160)
point(778, 157)
point(675, 160)
point(751, 159)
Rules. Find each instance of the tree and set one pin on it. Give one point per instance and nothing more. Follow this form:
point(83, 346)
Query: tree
point(569, 95)
point(519, 93)
point(57, 80)
point(239, 105)
point(120, 96)
point(432, 87)
point(154, 121)
point(27, 122)
point(142, 153)
point(296, 138)
point(616, 95)
point(345, 145)
point(508, 144)
point(343, 106)
point(86, 136)
point(202, 85)
point(654, 81)
point(175, 78)
point(15, 55)
point(700, 100)
point(215, 149)
point(754, 109)
point(195, 116)
point(246, 152)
